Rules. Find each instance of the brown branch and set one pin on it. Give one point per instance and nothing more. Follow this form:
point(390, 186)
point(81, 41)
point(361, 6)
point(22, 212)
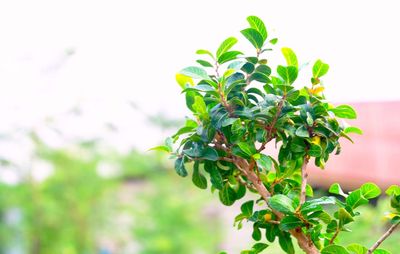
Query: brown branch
point(302, 240)
point(304, 176)
point(335, 235)
point(271, 127)
point(383, 237)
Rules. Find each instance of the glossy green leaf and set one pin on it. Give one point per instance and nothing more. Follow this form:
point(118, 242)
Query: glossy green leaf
point(320, 69)
point(393, 190)
point(258, 24)
point(302, 132)
point(356, 199)
point(281, 203)
point(198, 179)
point(355, 248)
point(353, 129)
point(204, 63)
point(210, 154)
point(288, 74)
point(258, 248)
point(180, 167)
point(227, 195)
point(247, 208)
point(264, 162)
point(336, 189)
point(161, 149)
point(334, 249)
point(228, 56)
point(226, 45)
point(289, 223)
point(370, 190)
point(285, 241)
point(216, 178)
point(254, 37)
point(247, 148)
point(344, 217)
point(195, 72)
point(205, 52)
point(290, 56)
point(381, 251)
point(344, 111)
point(256, 233)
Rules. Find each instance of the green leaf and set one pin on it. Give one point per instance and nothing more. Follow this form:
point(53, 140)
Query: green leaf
point(210, 154)
point(344, 217)
point(315, 150)
point(227, 195)
point(161, 149)
point(258, 248)
point(216, 178)
point(381, 251)
point(289, 223)
point(247, 208)
point(204, 52)
point(228, 56)
point(285, 241)
point(393, 190)
point(288, 74)
point(273, 41)
point(290, 56)
point(183, 80)
point(195, 72)
point(336, 189)
point(198, 179)
point(199, 106)
point(264, 162)
point(256, 233)
point(344, 111)
point(315, 204)
point(204, 63)
point(247, 148)
point(226, 45)
point(258, 24)
point(319, 69)
point(281, 203)
point(355, 199)
point(180, 167)
point(302, 132)
point(334, 249)
point(353, 129)
point(357, 248)
point(370, 190)
point(254, 37)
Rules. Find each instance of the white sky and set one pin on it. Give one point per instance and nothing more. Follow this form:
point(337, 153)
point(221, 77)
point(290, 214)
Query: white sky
point(130, 51)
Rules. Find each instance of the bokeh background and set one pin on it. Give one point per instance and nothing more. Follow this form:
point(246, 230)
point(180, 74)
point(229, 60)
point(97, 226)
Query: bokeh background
point(87, 87)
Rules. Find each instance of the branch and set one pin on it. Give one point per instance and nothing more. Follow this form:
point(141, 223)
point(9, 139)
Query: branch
point(304, 243)
point(335, 235)
point(383, 237)
point(304, 176)
point(272, 125)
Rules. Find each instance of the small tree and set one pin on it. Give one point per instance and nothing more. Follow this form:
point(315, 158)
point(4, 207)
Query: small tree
point(239, 107)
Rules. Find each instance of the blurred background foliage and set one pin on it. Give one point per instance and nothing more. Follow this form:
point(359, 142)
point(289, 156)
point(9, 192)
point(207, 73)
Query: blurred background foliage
point(96, 200)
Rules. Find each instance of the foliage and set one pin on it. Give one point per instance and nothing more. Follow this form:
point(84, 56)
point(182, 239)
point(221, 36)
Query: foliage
point(77, 209)
point(240, 104)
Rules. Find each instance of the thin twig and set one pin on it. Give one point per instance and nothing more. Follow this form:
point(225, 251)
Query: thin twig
point(272, 125)
point(335, 235)
point(304, 176)
point(383, 237)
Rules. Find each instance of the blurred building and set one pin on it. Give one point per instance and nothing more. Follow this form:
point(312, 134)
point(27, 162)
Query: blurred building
point(374, 156)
